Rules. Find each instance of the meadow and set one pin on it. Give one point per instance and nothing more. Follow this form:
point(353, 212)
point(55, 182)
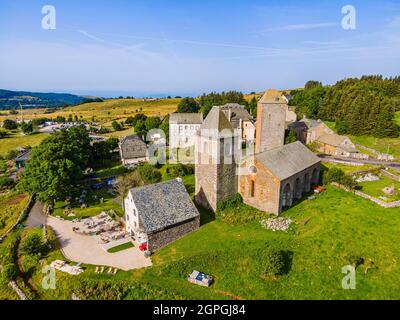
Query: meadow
point(326, 235)
point(11, 206)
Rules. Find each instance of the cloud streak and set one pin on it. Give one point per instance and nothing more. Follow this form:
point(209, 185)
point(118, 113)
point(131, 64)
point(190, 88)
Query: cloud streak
point(303, 26)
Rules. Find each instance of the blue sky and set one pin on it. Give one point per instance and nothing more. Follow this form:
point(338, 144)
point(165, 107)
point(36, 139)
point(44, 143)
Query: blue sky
point(191, 47)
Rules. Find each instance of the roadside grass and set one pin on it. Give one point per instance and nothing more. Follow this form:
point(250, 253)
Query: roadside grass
point(397, 118)
point(121, 247)
point(11, 206)
point(374, 188)
point(15, 140)
point(384, 145)
point(94, 206)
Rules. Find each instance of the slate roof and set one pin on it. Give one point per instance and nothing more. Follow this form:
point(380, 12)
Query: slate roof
point(215, 122)
point(183, 118)
point(164, 204)
point(273, 96)
point(337, 141)
point(133, 147)
point(25, 156)
point(287, 160)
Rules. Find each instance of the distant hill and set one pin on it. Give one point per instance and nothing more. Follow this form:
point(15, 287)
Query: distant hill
point(29, 100)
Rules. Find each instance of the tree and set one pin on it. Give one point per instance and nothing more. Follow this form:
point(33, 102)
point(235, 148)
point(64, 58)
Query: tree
point(116, 126)
point(10, 272)
point(188, 105)
point(27, 128)
point(56, 165)
point(102, 150)
point(126, 182)
point(207, 101)
point(140, 128)
point(291, 136)
point(9, 124)
point(6, 182)
point(312, 84)
point(164, 126)
point(149, 174)
point(32, 244)
point(152, 123)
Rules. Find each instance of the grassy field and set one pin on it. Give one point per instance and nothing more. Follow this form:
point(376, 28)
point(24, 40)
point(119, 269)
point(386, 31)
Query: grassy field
point(384, 145)
point(15, 140)
point(106, 111)
point(325, 234)
point(11, 206)
point(374, 188)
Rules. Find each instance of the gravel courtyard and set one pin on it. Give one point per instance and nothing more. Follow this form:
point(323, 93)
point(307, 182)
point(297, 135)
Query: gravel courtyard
point(85, 249)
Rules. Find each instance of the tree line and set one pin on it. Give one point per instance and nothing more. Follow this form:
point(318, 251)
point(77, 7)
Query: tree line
point(359, 106)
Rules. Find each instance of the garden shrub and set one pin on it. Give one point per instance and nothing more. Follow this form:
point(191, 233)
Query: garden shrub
point(10, 272)
point(337, 175)
point(33, 244)
point(149, 174)
point(273, 262)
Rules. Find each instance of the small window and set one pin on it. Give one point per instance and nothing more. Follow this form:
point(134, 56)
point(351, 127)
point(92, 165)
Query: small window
point(127, 217)
point(252, 188)
point(135, 224)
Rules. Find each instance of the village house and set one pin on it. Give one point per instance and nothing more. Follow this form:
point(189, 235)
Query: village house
point(22, 159)
point(241, 121)
point(160, 213)
point(326, 140)
point(133, 150)
point(269, 179)
point(182, 129)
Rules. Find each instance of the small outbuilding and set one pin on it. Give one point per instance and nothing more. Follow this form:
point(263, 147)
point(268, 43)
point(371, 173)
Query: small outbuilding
point(133, 150)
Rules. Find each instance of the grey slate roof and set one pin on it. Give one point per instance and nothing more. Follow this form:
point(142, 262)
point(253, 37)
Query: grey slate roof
point(163, 204)
point(288, 160)
point(216, 120)
point(237, 112)
point(25, 156)
point(183, 118)
point(133, 147)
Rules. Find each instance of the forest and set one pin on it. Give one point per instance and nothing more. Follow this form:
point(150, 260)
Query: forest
point(359, 106)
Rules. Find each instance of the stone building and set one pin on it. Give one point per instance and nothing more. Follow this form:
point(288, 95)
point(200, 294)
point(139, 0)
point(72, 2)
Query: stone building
point(160, 213)
point(133, 150)
point(269, 179)
point(216, 149)
point(271, 118)
point(182, 129)
point(241, 121)
point(273, 179)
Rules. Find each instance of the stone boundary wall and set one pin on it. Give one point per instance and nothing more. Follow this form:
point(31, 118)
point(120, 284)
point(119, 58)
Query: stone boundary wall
point(349, 163)
point(378, 155)
point(390, 175)
point(17, 290)
point(21, 217)
point(379, 202)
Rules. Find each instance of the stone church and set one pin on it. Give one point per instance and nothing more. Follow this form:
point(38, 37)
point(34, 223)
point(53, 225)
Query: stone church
point(270, 178)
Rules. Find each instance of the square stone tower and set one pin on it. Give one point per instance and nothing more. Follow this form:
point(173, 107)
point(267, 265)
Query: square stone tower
point(271, 117)
point(216, 154)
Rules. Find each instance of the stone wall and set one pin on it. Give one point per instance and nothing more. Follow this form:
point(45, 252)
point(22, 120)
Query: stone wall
point(380, 202)
point(164, 237)
point(390, 175)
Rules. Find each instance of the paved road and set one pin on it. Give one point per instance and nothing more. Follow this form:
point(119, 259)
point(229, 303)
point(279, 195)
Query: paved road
point(85, 249)
point(36, 217)
point(394, 165)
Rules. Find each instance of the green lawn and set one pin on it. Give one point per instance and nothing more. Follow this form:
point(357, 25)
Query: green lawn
point(325, 233)
point(112, 170)
point(121, 247)
point(15, 140)
point(94, 206)
point(374, 188)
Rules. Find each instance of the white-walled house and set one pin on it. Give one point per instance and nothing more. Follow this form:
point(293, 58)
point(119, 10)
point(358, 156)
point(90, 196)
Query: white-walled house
point(160, 213)
point(183, 128)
